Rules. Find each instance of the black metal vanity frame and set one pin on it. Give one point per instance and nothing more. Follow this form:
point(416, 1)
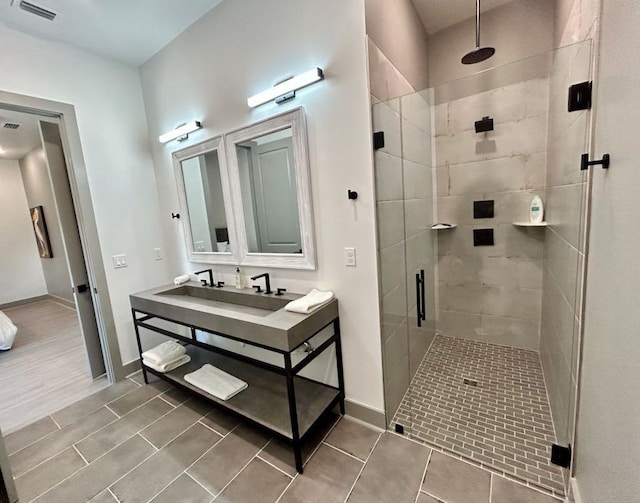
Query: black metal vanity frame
point(289, 372)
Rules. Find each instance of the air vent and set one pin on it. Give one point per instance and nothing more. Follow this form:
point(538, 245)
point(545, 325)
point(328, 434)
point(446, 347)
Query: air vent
point(37, 10)
point(10, 125)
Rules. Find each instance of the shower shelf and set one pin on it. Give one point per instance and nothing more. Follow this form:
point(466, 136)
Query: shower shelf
point(442, 227)
point(530, 224)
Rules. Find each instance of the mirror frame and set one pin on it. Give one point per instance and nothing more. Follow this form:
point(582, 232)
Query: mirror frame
point(213, 257)
point(296, 120)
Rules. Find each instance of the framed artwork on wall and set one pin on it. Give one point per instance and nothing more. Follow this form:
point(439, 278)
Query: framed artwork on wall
point(40, 230)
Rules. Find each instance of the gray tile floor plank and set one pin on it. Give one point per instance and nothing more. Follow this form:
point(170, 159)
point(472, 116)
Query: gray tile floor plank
point(506, 491)
point(327, 478)
point(183, 490)
point(218, 466)
point(175, 422)
point(29, 434)
point(353, 437)
point(220, 421)
point(104, 497)
point(392, 473)
point(280, 454)
point(96, 477)
point(137, 397)
point(92, 403)
point(257, 483)
point(451, 479)
point(151, 477)
point(176, 396)
point(425, 498)
point(58, 441)
point(117, 432)
point(33, 483)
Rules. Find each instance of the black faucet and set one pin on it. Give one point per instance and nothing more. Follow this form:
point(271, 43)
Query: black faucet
point(204, 281)
point(267, 281)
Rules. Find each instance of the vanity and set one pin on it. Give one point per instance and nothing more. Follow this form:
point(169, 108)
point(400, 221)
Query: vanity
point(278, 399)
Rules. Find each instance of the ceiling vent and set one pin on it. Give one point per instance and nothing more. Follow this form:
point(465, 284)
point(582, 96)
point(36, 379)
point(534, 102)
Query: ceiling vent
point(37, 10)
point(10, 125)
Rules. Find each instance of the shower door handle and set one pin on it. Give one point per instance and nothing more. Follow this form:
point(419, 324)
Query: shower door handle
point(420, 301)
point(423, 307)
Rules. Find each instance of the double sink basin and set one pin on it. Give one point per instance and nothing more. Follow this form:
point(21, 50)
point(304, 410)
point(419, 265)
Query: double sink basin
point(253, 317)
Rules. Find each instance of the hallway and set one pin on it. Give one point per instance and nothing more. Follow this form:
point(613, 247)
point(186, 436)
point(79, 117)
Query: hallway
point(47, 367)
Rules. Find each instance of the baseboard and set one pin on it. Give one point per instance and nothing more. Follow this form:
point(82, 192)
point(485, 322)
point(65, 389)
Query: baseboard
point(365, 414)
point(66, 303)
point(23, 302)
point(131, 367)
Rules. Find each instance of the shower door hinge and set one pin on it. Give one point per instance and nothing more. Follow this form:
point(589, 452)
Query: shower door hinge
point(378, 140)
point(580, 96)
point(561, 456)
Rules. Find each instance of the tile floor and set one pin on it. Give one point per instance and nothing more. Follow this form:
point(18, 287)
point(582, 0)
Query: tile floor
point(152, 443)
point(504, 423)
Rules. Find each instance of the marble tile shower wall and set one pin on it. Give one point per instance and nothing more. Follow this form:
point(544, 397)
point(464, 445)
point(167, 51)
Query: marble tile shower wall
point(563, 246)
point(404, 198)
point(491, 293)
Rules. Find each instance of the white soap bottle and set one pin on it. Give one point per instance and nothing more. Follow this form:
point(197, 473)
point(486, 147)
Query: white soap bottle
point(536, 211)
point(239, 282)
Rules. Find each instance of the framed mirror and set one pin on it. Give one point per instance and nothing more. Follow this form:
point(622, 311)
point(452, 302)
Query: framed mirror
point(270, 188)
point(205, 201)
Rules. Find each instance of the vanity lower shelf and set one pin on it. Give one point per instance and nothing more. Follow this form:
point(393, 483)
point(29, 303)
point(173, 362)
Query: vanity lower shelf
point(265, 401)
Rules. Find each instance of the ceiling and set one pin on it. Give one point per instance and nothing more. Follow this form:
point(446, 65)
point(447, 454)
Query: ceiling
point(130, 31)
point(437, 15)
point(15, 143)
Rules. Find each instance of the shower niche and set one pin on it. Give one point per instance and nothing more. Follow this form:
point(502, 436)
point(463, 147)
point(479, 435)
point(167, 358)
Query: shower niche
point(484, 363)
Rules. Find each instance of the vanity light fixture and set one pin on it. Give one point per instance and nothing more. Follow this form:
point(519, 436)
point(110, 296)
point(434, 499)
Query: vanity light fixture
point(286, 87)
point(180, 133)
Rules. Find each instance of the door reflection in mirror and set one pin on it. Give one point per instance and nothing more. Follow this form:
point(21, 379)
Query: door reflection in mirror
point(205, 203)
point(267, 173)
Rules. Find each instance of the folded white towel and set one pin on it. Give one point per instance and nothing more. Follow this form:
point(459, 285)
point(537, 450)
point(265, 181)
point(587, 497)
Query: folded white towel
point(310, 302)
point(181, 279)
point(168, 366)
point(165, 352)
point(216, 382)
point(8, 332)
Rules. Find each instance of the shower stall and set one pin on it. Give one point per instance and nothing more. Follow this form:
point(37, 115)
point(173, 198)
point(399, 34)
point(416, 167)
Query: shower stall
point(481, 309)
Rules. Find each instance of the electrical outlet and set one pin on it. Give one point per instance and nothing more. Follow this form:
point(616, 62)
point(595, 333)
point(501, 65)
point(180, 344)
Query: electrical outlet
point(119, 261)
point(157, 253)
point(350, 257)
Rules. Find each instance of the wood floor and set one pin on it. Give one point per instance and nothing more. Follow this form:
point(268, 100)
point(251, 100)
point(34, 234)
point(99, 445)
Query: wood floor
point(47, 367)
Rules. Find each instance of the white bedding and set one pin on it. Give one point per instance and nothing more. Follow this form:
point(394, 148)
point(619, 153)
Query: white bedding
point(8, 332)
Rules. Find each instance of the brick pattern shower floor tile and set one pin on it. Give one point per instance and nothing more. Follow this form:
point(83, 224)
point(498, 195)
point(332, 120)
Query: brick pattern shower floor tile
point(502, 423)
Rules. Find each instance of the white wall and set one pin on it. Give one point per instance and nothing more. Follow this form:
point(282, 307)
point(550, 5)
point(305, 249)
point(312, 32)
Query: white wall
point(239, 49)
point(21, 274)
point(110, 112)
point(37, 185)
point(608, 439)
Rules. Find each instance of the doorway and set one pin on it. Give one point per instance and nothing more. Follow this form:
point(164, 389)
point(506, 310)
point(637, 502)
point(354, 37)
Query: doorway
point(71, 287)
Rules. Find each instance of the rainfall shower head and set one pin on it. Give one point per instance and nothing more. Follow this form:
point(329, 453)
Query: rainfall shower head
point(479, 53)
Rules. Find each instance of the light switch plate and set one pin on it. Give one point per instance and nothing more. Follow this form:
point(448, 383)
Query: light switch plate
point(350, 257)
point(157, 253)
point(119, 261)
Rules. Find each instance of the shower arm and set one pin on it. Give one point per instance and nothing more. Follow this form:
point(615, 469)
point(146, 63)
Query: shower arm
point(477, 24)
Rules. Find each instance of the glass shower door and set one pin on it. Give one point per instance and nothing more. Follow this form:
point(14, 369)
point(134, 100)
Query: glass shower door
point(404, 195)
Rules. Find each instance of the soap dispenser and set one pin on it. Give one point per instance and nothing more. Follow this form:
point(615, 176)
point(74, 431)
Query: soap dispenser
point(239, 282)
